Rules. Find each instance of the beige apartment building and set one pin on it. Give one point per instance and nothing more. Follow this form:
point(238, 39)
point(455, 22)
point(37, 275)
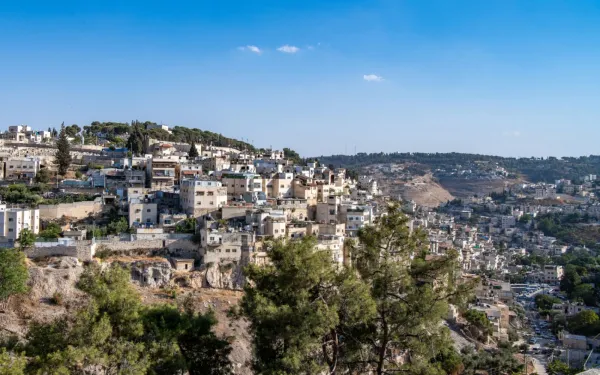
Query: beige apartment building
point(220, 245)
point(202, 196)
point(21, 168)
point(328, 211)
point(553, 273)
point(275, 227)
point(162, 173)
point(279, 185)
point(239, 183)
point(143, 214)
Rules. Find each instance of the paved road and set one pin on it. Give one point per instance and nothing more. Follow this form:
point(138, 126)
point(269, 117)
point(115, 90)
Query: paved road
point(540, 369)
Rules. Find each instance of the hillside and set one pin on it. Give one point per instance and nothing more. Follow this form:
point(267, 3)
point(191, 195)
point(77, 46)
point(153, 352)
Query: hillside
point(117, 133)
point(423, 190)
point(446, 164)
point(462, 188)
point(57, 276)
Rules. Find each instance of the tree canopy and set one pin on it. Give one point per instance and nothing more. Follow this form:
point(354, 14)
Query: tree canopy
point(13, 273)
point(545, 301)
point(303, 312)
point(309, 315)
point(63, 153)
point(193, 153)
point(116, 334)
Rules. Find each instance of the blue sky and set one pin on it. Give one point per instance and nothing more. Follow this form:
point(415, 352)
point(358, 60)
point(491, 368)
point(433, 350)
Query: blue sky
point(515, 78)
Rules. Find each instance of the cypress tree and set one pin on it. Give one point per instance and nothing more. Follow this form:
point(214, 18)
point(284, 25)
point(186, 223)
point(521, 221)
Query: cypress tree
point(135, 142)
point(193, 151)
point(63, 154)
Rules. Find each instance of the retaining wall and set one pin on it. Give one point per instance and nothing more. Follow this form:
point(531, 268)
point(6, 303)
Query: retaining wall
point(83, 251)
point(78, 210)
point(150, 245)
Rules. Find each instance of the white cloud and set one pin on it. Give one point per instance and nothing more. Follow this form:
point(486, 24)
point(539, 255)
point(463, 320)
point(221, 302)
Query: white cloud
point(253, 49)
point(372, 78)
point(514, 134)
point(288, 49)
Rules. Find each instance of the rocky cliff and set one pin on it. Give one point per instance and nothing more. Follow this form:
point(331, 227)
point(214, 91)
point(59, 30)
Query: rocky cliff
point(225, 275)
point(151, 273)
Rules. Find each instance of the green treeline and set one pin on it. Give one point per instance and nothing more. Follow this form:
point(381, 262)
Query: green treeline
point(118, 134)
point(535, 169)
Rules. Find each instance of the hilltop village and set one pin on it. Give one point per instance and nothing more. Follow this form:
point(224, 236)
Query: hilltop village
point(204, 206)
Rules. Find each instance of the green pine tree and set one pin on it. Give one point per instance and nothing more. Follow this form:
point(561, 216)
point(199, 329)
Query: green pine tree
point(13, 273)
point(193, 153)
point(135, 142)
point(303, 311)
point(412, 293)
point(63, 153)
point(116, 334)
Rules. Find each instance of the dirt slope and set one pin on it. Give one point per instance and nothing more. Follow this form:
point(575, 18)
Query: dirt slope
point(423, 190)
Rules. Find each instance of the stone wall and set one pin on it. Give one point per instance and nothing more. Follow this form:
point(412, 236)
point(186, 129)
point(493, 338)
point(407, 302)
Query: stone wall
point(173, 246)
point(149, 245)
point(79, 210)
point(233, 212)
point(82, 250)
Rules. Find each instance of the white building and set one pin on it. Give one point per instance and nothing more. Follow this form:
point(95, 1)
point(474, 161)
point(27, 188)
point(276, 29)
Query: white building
point(368, 183)
point(220, 245)
point(14, 220)
point(334, 244)
point(357, 218)
point(275, 227)
point(198, 196)
point(19, 129)
point(143, 214)
point(190, 171)
point(39, 136)
point(239, 183)
point(21, 168)
point(553, 273)
point(508, 221)
point(157, 126)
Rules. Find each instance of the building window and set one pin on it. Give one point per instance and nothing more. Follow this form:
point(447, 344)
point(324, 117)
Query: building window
point(201, 193)
point(210, 193)
point(10, 229)
point(10, 219)
point(212, 203)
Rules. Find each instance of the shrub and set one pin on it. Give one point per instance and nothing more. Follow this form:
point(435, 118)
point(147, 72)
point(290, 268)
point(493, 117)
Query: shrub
point(57, 299)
